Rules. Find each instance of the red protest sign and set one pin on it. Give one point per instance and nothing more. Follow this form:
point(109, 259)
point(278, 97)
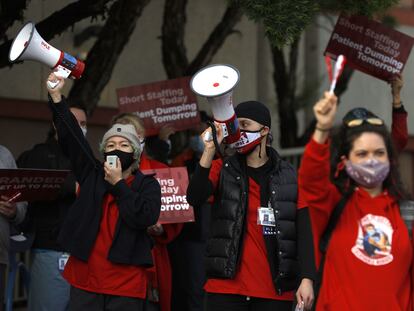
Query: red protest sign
point(157, 104)
point(370, 46)
point(174, 206)
point(33, 184)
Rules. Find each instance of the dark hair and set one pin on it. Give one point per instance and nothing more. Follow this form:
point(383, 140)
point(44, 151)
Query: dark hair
point(51, 133)
point(74, 104)
point(342, 143)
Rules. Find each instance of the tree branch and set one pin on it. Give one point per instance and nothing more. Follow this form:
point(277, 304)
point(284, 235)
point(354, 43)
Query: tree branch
point(174, 55)
point(104, 54)
point(216, 39)
point(10, 11)
point(285, 82)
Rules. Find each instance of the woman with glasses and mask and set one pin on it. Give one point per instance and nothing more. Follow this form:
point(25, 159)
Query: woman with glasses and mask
point(259, 250)
point(105, 230)
point(351, 185)
point(160, 275)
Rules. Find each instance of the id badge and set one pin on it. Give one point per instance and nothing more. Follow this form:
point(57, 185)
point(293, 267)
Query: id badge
point(266, 217)
point(268, 230)
point(62, 260)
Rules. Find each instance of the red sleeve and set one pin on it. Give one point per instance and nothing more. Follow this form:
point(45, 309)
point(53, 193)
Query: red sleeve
point(315, 189)
point(214, 174)
point(314, 181)
point(301, 201)
point(399, 131)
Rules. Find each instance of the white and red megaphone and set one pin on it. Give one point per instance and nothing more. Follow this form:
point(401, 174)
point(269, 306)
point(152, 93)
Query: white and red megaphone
point(216, 83)
point(29, 45)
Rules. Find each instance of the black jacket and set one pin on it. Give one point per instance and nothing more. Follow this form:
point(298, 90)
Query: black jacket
point(44, 218)
point(229, 213)
point(139, 205)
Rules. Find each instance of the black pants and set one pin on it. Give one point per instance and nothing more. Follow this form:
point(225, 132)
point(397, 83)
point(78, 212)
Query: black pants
point(81, 300)
point(188, 274)
point(227, 302)
point(2, 284)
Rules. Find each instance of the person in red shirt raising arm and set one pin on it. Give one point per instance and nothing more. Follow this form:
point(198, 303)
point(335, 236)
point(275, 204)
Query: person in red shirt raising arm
point(105, 229)
point(352, 190)
point(252, 250)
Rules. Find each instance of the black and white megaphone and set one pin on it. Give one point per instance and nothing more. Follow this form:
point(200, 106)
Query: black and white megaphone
point(29, 45)
point(216, 83)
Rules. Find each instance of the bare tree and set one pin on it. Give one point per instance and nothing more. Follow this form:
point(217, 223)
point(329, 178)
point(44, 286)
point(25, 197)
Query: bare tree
point(174, 53)
point(103, 56)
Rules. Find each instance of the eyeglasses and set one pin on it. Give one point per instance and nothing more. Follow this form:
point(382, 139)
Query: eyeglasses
point(358, 122)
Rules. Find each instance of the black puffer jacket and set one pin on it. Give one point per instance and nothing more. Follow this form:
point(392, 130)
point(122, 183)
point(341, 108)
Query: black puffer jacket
point(228, 221)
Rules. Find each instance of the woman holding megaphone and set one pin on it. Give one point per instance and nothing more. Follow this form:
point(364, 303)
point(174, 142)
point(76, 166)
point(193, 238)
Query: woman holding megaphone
point(257, 231)
point(105, 230)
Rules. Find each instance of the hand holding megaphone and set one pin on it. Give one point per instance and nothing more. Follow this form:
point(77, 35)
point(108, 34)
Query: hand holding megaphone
point(55, 78)
point(60, 72)
point(54, 85)
point(207, 136)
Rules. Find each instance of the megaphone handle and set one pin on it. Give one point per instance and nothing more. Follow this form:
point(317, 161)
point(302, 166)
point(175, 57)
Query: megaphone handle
point(60, 71)
point(214, 133)
point(52, 84)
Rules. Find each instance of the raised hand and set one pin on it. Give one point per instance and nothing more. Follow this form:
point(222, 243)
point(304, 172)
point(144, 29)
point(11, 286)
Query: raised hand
point(325, 111)
point(55, 92)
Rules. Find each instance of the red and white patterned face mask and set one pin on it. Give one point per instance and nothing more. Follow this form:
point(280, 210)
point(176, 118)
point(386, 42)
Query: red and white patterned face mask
point(247, 141)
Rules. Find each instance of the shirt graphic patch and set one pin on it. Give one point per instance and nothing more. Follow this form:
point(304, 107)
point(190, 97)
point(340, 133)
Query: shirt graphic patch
point(374, 242)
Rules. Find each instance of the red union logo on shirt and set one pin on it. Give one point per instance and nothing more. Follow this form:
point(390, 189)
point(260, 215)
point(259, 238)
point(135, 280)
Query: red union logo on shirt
point(374, 242)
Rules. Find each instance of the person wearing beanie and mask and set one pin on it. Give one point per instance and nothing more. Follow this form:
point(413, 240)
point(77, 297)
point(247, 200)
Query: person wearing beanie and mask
point(160, 275)
point(366, 249)
point(105, 229)
point(256, 233)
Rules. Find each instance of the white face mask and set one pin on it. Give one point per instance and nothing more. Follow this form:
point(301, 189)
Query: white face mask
point(84, 130)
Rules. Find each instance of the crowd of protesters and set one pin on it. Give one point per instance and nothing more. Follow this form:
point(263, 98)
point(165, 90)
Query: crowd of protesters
point(331, 237)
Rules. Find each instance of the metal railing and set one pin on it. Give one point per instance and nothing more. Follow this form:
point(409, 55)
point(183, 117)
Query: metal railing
point(292, 155)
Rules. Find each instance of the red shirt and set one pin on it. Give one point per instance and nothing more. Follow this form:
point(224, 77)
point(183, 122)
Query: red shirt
point(253, 277)
point(160, 276)
point(367, 264)
point(98, 274)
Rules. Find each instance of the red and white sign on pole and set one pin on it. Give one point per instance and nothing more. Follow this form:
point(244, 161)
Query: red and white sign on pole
point(369, 46)
point(174, 205)
point(160, 103)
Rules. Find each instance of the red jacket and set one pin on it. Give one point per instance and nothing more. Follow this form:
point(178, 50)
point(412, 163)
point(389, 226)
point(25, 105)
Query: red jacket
point(367, 264)
point(159, 276)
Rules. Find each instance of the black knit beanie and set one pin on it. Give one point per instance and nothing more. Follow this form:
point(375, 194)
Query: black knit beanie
point(255, 111)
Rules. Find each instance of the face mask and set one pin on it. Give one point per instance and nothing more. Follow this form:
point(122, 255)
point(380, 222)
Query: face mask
point(84, 130)
point(196, 144)
point(248, 141)
point(126, 158)
point(368, 174)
